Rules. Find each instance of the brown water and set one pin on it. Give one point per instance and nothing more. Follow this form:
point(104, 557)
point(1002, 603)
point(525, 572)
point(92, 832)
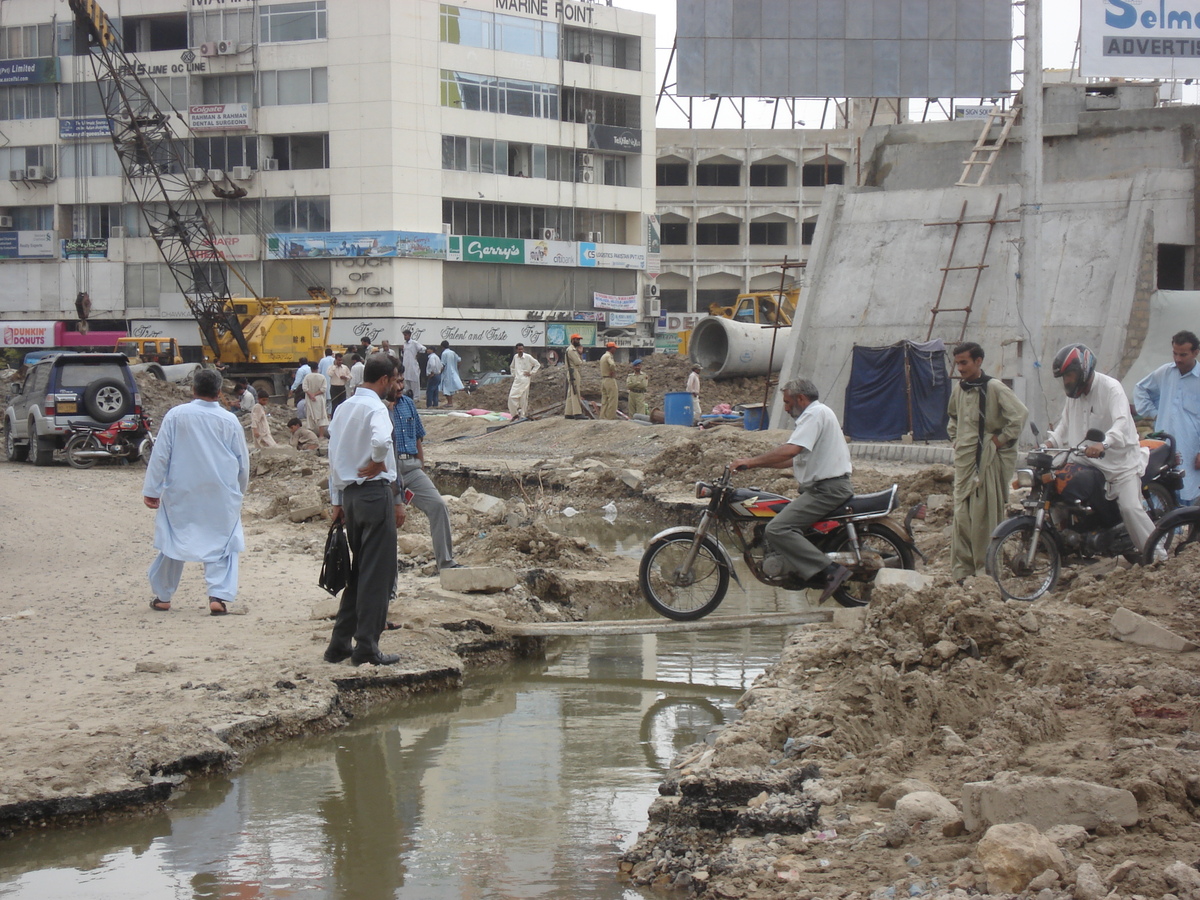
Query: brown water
point(528, 783)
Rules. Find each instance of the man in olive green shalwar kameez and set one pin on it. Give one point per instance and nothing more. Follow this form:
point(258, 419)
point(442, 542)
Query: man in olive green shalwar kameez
point(985, 455)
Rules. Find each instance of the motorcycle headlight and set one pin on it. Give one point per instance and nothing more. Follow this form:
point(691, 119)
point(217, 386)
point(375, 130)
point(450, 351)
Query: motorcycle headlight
point(703, 491)
point(1024, 478)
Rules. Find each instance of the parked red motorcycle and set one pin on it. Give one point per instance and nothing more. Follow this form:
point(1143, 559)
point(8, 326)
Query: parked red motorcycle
point(127, 439)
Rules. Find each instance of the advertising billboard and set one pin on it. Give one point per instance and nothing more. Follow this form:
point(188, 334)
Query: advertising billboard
point(1139, 39)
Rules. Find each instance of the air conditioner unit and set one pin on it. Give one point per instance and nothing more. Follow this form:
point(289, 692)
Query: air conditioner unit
point(16, 175)
point(587, 160)
point(195, 175)
point(208, 48)
point(116, 232)
point(549, 234)
point(587, 58)
point(653, 308)
point(5, 221)
point(242, 173)
point(587, 176)
point(595, 237)
point(270, 164)
point(447, 228)
point(652, 289)
point(589, 116)
point(38, 173)
point(216, 175)
point(226, 48)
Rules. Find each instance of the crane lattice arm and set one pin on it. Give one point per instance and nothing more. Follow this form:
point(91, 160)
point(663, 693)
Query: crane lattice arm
point(155, 161)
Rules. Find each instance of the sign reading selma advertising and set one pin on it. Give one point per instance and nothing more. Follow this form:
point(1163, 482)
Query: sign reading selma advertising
point(1140, 39)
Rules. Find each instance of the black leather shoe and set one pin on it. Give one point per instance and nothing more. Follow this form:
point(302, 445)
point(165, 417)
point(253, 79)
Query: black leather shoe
point(379, 659)
point(834, 580)
point(336, 656)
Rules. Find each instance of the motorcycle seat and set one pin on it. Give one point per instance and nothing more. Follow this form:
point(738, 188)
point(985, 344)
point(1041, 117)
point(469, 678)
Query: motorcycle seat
point(1162, 456)
point(878, 503)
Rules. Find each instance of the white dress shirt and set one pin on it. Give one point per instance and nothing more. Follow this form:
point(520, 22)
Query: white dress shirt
point(360, 433)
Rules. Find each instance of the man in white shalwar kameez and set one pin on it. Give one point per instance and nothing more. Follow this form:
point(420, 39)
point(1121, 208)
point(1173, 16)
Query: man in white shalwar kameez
point(196, 478)
point(523, 368)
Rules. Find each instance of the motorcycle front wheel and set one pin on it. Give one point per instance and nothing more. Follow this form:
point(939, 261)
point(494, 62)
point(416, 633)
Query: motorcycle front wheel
point(1172, 532)
point(684, 596)
point(896, 555)
point(82, 442)
point(1007, 560)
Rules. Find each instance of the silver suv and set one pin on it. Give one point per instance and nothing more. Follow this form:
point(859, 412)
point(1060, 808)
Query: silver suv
point(65, 390)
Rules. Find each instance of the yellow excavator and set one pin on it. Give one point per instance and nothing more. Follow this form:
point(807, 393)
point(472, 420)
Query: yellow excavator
point(754, 308)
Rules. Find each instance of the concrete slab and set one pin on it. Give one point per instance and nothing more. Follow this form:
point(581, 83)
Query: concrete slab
point(903, 578)
point(478, 579)
point(1131, 628)
point(1045, 802)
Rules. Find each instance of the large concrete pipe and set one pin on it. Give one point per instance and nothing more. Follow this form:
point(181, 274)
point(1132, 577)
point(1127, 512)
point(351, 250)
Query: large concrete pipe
point(725, 348)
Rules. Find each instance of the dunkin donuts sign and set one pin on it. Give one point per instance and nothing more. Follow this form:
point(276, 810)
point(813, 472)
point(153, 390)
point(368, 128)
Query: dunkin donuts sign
point(27, 334)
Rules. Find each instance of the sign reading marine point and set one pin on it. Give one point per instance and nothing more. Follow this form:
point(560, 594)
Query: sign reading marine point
point(1140, 38)
point(564, 12)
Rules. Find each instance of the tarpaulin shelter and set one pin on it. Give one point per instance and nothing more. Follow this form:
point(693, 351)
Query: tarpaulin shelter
point(898, 390)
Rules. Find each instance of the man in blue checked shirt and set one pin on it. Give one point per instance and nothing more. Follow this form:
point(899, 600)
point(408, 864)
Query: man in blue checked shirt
point(408, 436)
point(1171, 394)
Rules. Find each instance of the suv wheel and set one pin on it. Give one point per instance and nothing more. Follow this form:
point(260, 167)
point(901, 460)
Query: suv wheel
point(14, 451)
point(41, 450)
point(107, 399)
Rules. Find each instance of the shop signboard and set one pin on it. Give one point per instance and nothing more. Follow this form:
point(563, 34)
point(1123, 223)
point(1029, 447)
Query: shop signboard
point(85, 248)
point(551, 253)
point(612, 256)
point(27, 244)
point(84, 127)
point(27, 334)
point(493, 250)
point(612, 301)
point(431, 332)
point(1132, 39)
point(622, 319)
point(43, 70)
point(350, 244)
point(219, 116)
point(614, 138)
point(558, 334)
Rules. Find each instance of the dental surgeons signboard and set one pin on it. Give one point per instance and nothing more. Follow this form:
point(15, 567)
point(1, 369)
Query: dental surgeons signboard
point(1140, 38)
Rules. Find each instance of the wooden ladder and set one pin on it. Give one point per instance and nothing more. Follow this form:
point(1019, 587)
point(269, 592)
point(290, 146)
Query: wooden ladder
point(991, 222)
point(986, 150)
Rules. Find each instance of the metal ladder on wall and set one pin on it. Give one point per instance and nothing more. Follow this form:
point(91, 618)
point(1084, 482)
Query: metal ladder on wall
point(986, 150)
point(937, 309)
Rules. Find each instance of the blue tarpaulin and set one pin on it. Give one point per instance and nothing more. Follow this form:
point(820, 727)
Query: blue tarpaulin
point(897, 390)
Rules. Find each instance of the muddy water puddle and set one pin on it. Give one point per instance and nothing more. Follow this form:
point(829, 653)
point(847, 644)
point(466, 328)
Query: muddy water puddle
point(529, 782)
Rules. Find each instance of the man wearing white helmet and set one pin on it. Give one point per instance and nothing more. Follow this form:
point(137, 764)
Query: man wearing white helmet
point(1094, 400)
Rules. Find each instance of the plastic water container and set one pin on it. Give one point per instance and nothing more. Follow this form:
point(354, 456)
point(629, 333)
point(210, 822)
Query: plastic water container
point(755, 417)
point(677, 408)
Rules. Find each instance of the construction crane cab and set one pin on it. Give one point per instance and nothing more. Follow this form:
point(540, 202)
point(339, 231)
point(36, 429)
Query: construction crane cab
point(760, 308)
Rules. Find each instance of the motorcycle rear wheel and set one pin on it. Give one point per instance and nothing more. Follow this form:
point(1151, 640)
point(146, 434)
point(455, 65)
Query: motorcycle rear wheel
point(81, 443)
point(1006, 557)
point(1173, 531)
point(674, 595)
point(896, 555)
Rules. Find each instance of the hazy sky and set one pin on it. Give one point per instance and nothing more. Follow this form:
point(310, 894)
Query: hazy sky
point(1060, 29)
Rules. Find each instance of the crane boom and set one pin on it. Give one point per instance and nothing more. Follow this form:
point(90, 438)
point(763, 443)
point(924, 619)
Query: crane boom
point(155, 161)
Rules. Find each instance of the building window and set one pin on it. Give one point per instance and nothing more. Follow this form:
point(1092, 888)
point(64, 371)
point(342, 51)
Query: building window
point(33, 101)
point(611, 170)
point(1172, 267)
point(600, 48)
point(819, 174)
point(290, 215)
point(718, 233)
point(81, 99)
point(512, 221)
point(33, 218)
point(671, 174)
point(674, 233)
point(486, 93)
point(596, 107)
point(234, 216)
point(95, 220)
point(768, 175)
point(146, 34)
point(496, 31)
point(807, 230)
point(718, 174)
point(300, 151)
point(143, 285)
point(292, 22)
point(228, 88)
point(27, 41)
point(14, 159)
point(673, 300)
point(769, 233)
point(225, 152)
point(213, 25)
point(86, 159)
point(289, 87)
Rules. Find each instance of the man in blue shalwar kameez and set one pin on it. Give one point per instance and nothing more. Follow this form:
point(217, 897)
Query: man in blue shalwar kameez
point(1171, 394)
point(196, 478)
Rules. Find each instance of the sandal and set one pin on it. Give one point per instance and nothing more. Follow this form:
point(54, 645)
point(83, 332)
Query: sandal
point(392, 626)
point(223, 611)
point(160, 605)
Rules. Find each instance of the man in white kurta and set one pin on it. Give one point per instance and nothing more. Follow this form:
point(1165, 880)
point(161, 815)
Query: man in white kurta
point(408, 359)
point(196, 478)
point(316, 413)
point(523, 368)
point(1103, 405)
point(1171, 395)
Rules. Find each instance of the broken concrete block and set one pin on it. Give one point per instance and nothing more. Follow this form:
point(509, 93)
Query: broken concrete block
point(414, 544)
point(937, 501)
point(853, 618)
point(305, 513)
point(1131, 628)
point(478, 579)
point(903, 578)
point(1182, 878)
point(324, 609)
point(487, 505)
point(1014, 854)
point(1088, 883)
point(888, 798)
point(1045, 802)
point(632, 478)
point(1070, 836)
point(926, 806)
point(156, 667)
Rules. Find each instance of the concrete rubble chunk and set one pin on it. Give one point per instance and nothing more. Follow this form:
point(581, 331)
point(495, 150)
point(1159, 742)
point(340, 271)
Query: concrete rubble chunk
point(1045, 802)
point(1182, 878)
point(852, 619)
point(1088, 884)
point(478, 579)
point(887, 800)
point(902, 578)
point(324, 609)
point(632, 478)
point(1070, 836)
point(1131, 628)
point(305, 513)
point(487, 505)
point(926, 806)
point(414, 544)
point(1014, 854)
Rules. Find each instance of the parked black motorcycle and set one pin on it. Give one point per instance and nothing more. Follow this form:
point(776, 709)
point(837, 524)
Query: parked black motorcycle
point(685, 571)
point(1066, 514)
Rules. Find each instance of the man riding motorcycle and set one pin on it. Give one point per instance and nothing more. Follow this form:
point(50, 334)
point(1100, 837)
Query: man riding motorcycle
point(820, 460)
point(1094, 400)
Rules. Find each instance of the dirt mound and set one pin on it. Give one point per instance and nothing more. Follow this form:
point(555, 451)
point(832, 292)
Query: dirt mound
point(527, 545)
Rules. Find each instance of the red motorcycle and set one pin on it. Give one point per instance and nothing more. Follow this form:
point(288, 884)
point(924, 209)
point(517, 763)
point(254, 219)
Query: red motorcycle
point(127, 439)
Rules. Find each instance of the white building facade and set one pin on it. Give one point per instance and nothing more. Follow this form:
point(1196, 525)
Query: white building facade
point(481, 171)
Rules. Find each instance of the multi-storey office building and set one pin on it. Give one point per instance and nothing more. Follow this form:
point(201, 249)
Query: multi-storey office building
point(481, 169)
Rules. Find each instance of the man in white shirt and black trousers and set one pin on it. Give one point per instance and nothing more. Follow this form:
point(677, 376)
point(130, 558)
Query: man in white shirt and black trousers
point(363, 493)
point(820, 460)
